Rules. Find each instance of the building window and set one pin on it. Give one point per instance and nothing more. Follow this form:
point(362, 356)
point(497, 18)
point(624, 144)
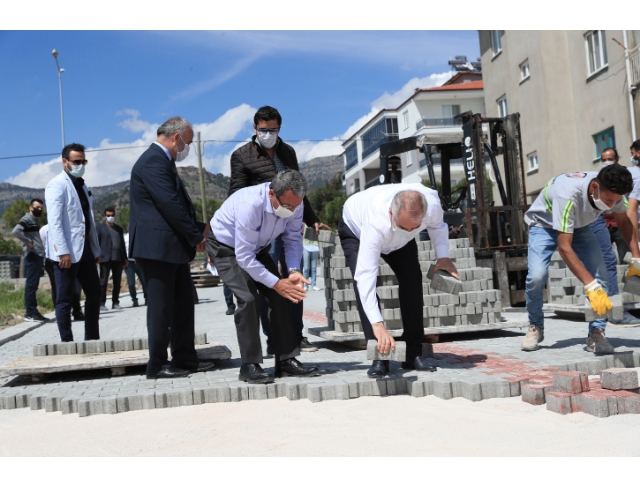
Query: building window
point(502, 107)
point(533, 161)
point(450, 111)
point(595, 44)
point(409, 158)
point(604, 140)
point(524, 70)
point(351, 156)
point(383, 131)
point(405, 119)
point(496, 41)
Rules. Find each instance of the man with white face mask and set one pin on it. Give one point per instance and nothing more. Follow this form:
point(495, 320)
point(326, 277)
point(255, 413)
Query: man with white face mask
point(242, 231)
point(383, 221)
point(113, 257)
point(72, 243)
point(258, 162)
point(559, 219)
point(163, 238)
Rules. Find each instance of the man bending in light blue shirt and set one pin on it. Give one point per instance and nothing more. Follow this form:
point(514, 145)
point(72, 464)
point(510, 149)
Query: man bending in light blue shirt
point(241, 234)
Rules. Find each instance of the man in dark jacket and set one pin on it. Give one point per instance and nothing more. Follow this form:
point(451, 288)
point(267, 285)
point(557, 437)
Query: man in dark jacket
point(164, 236)
point(113, 257)
point(258, 162)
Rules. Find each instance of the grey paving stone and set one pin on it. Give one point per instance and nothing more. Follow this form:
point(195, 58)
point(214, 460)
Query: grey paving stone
point(69, 405)
point(399, 354)
point(619, 379)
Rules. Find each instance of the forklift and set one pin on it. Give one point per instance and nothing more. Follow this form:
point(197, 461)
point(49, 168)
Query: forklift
point(497, 233)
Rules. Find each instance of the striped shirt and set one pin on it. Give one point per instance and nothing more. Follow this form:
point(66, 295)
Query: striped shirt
point(564, 204)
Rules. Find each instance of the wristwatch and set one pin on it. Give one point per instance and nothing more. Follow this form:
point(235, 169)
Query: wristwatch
point(293, 269)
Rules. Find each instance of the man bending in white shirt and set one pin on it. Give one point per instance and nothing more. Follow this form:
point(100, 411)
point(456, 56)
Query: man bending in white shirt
point(383, 221)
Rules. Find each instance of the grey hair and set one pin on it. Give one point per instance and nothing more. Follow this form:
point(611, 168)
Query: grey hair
point(289, 179)
point(412, 202)
point(173, 125)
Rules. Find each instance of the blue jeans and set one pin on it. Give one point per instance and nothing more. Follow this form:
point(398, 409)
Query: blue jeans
point(277, 254)
point(603, 236)
point(228, 295)
point(542, 244)
point(310, 260)
point(132, 269)
point(33, 265)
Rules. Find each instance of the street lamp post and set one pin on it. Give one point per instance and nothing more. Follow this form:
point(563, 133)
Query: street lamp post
point(54, 53)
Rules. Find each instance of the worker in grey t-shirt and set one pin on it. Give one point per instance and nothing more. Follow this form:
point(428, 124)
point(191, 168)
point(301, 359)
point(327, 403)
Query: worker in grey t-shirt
point(559, 218)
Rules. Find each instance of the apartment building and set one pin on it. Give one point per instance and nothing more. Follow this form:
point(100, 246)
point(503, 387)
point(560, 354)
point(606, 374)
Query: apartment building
point(429, 110)
point(571, 89)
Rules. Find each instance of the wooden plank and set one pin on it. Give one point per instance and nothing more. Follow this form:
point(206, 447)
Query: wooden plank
point(500, 268)
point(338, 336)
point(50, 364)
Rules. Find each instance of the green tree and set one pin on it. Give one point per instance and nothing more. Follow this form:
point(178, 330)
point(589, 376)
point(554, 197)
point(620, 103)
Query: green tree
point(17, 210)
point(333, 211)
point(122, 217)
point(322, 196)
point(9, 247)
point(212, 207)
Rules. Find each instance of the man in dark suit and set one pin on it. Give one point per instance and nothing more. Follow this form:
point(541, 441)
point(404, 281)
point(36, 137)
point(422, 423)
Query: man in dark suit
point(164, 236)
point(113, 257)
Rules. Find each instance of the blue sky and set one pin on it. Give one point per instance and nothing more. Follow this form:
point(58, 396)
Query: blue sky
point(118, 86)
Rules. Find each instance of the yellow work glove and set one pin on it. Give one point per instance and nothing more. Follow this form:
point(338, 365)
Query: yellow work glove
point(634, 268)
point(598, 298)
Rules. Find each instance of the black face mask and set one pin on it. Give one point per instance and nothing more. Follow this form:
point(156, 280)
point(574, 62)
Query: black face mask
point(36, 212)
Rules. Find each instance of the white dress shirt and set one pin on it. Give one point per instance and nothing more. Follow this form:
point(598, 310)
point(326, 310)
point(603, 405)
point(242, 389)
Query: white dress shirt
point(246, 222)
point(367, 215)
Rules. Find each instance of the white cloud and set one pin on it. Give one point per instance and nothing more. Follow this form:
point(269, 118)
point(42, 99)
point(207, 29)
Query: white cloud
point(113, 162)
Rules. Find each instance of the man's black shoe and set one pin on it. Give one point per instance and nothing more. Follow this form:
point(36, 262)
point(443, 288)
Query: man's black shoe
point(379, 368)
point(420, 363)
point(292, 367)
point(78, 316)
point(135, 303)
point(253, 374)
point(230, 310)
point(169, 372)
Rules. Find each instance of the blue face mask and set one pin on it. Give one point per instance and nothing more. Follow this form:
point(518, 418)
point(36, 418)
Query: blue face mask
point(77, 171)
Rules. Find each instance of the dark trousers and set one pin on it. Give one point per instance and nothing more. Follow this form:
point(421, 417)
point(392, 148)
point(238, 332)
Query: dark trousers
point(115, 266)
point(247, 315)
point(170, 314)
point(33, 268)
point(228, 295)
point(131, 271)
point(621, 245)
point(405, 264)
point(66, 287)
point(75, 305)
point(297, 309)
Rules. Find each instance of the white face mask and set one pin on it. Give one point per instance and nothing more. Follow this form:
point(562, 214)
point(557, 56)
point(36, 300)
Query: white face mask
point(607, 163)
point(182, 155)
point(282, 212)
point(267, 139)
point(405, 233)
point(76, 171)
point(634, 161)
point(111, 219)
point(601, 205)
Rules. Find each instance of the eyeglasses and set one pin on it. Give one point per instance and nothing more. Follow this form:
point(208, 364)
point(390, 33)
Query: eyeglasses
point(268, 130)
point(78, 162)
point(288, 207)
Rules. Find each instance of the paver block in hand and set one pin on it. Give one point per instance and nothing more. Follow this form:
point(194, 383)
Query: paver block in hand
point(443, 281)
point(399, 354)
point(615, 313)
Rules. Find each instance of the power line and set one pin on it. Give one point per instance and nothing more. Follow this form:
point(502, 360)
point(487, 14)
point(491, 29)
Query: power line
point(144, 146)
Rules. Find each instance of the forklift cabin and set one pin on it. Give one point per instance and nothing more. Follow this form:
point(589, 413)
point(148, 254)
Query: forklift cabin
point(498, 234)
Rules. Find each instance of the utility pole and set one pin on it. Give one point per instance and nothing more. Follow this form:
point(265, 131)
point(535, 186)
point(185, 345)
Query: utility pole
point(202, 193)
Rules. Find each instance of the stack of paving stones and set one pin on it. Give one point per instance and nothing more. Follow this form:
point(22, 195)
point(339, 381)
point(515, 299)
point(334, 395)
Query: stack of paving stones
point(101, 346)
point(615, 391)
point(6, 270)
point(477, 304)
point(564, 288)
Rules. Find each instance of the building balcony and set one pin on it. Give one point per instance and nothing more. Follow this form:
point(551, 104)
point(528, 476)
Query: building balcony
point(437, 122)
point(369, 146)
